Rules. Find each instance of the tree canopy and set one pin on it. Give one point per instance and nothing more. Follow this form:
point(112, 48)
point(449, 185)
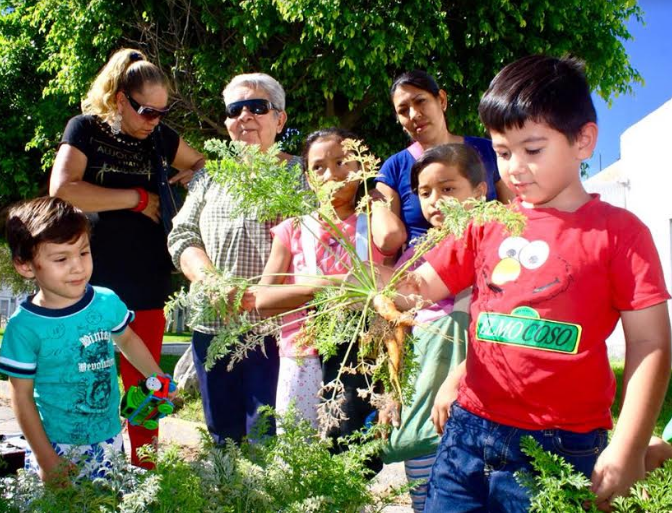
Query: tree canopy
point(335, 58)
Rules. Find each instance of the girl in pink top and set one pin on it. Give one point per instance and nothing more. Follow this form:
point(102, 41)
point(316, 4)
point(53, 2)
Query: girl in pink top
point(303, 249)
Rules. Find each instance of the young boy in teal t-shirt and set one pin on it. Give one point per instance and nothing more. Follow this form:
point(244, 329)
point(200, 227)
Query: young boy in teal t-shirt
point(57, 348)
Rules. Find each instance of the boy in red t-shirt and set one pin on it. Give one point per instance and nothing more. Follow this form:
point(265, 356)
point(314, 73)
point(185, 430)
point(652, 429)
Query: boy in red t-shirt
point(543, 305)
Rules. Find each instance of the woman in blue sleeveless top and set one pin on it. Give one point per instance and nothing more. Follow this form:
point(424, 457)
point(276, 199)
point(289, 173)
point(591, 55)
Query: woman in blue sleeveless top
point(420, 107)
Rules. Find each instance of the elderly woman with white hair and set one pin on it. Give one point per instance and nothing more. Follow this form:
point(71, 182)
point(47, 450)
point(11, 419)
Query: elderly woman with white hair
point(206, 235)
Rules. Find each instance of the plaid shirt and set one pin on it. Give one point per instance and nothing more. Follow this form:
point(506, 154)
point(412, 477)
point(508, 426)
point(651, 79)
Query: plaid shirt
point(239, 245)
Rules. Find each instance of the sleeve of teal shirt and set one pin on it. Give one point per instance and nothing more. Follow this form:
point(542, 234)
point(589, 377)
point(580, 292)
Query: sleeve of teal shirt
point(18, 353)
point(121, 315)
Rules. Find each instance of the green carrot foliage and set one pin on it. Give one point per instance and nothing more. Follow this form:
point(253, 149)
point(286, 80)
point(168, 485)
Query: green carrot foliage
point(261, 185)
point(264, 187)
point(556, 487)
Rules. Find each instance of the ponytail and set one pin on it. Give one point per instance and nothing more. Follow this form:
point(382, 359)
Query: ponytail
point(127, 70)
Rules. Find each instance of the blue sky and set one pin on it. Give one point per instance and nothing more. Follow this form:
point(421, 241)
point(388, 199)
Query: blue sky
point(650, 53)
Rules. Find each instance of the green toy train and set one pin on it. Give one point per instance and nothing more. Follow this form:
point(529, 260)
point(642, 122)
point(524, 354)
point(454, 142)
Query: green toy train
point(145, 404)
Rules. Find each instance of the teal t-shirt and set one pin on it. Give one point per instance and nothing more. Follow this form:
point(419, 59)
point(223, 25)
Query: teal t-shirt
point(69, 353)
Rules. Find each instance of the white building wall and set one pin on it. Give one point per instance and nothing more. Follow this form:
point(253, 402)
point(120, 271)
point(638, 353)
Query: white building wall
point(641, 181)
point(8, 303)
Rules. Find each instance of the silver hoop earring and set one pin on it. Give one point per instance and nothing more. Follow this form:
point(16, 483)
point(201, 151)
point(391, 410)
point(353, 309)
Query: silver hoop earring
point(116, 124)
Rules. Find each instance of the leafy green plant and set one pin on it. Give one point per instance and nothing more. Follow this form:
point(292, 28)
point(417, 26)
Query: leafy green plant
point(27, 493)
point(261, 185)
point(9, 277)
point(292, 472)
point(357, 312)
point(556, 487)
point(218, 296)
point(652, 494)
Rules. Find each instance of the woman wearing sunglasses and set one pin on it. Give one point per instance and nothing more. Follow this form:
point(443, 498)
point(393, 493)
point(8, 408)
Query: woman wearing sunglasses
point(207, 235)
point(107, 165)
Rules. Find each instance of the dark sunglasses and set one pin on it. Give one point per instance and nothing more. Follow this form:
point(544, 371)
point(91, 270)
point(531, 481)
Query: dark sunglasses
point(149, 113)
point(255, 106)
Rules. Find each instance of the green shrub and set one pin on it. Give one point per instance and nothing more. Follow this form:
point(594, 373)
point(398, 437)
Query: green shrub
point(291, 473)
point(557, 488)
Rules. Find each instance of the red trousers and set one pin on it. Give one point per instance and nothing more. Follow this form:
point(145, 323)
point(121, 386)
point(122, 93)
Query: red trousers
point(149, 325)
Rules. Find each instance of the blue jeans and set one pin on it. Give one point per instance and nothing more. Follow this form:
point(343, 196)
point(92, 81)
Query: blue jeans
point(477, 459)
point(231, 399)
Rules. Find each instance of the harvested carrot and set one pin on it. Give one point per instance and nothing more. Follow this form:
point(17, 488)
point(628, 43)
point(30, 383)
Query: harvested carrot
point(395, 348)
point(386, 308)
point(394, 342)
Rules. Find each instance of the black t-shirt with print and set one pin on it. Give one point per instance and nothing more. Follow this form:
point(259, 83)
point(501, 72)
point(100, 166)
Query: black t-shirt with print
point(129, 250)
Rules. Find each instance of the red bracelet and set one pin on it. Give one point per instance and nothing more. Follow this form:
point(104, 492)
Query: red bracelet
point(142, 201)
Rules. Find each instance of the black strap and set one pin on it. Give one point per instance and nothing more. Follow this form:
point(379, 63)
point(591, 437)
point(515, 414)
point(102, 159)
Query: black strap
point(169, 199)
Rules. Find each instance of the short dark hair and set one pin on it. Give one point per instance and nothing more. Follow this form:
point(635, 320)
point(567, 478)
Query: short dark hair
point(542, 89)
point(416, 78)
point(463, 157)
point(42, 220)
point(326, 133)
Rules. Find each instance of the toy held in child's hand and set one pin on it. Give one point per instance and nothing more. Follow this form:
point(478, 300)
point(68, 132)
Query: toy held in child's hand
point(146, 403)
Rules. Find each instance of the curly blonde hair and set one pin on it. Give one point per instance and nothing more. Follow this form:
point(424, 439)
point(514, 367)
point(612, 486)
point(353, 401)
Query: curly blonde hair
point(127, 70)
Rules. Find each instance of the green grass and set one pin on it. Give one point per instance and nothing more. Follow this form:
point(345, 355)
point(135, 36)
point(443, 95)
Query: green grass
point(665, 412)
point(172, 337)
point(192, 410)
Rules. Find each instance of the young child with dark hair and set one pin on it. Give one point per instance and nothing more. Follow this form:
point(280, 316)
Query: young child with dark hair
point(57, 348)
point(439, 339)
point(542, 307)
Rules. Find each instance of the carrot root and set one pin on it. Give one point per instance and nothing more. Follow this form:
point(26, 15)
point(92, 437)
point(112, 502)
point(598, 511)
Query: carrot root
point(395, 348)
point(386, 308)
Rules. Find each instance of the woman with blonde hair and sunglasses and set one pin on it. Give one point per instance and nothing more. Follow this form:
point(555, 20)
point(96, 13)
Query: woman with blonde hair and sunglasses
point(113, 162)
point(208, 234)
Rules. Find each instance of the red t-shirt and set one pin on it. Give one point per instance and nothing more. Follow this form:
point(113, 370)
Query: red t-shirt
point(542, 308)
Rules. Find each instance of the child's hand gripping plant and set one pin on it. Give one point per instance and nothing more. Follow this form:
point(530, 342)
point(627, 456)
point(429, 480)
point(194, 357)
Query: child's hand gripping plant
point(353, 311)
